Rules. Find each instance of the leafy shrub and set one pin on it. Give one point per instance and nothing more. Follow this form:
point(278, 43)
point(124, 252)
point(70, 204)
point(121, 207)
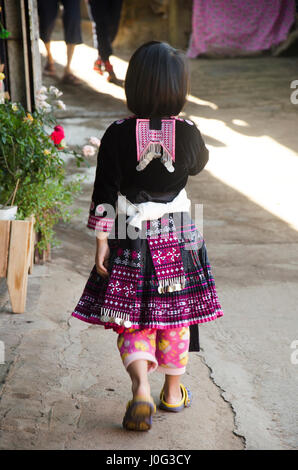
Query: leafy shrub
point(32, 168)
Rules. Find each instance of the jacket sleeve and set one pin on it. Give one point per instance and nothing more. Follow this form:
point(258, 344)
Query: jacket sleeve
point(198, 154)
point(106, 185)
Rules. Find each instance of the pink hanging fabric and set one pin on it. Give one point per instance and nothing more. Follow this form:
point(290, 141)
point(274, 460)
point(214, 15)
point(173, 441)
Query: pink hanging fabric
point(236, 27)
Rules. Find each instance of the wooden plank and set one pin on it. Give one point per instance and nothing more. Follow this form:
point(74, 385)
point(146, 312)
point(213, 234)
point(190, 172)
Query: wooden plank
point(4, 245)
point(26, 47)
point(32, 240)
point(24, 69)
point(35, 58)
point(18, 263)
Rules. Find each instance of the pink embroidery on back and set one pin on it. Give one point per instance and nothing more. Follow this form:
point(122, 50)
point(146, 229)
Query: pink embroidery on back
point(146, 136)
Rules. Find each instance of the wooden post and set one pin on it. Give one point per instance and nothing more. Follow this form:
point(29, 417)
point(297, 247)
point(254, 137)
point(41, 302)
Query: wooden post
point(31, 31)
point(24, 68)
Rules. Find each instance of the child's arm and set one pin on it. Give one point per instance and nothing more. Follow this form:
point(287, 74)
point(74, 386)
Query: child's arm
point(107, 184)
point(198, 154)
point(105, 192)
point(102, 254)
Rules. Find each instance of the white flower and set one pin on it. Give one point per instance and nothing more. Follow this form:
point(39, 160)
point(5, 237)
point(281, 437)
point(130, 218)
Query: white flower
point(41, 97)
point(41, 104)
point(60, 104)
point(88, 151)
point(54, 91)
point(42, 90)
point(94, 141)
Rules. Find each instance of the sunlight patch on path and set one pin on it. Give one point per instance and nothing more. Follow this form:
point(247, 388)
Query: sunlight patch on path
point(258, 167)
point(82, 66)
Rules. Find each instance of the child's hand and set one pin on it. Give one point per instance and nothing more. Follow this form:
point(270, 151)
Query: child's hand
point(102, 257)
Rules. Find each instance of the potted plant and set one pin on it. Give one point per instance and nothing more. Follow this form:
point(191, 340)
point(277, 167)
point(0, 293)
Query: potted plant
point(8, 212)
point(32, 170)
point(33, 181)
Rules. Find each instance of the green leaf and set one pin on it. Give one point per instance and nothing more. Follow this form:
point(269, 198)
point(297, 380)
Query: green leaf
point(4, 34)
point(42, 187)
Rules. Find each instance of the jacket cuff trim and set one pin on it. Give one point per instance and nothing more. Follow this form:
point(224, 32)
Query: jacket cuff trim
point(103, 224)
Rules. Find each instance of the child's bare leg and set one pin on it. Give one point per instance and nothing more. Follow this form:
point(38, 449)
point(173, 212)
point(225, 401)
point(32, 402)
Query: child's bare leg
point(172, 390)
point(138, 371)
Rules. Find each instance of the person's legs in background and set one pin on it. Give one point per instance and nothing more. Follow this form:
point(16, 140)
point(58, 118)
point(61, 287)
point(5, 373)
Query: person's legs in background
point(100, 17)
point(114, 12)
point(106, 17)
point(47, 12)
point(72, 35)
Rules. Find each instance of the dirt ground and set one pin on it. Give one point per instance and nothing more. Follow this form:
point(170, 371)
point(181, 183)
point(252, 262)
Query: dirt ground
point(62, 384)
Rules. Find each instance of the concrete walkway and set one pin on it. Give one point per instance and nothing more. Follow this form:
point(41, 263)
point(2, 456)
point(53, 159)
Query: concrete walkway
point(62, 384)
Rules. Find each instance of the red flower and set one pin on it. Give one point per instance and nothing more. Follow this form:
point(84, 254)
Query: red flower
point(57, 136)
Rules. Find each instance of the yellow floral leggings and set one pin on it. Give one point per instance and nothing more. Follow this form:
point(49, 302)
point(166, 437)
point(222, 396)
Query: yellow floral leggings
point(166, 350)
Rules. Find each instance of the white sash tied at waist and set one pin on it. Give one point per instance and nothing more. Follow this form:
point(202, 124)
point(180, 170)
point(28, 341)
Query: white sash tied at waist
point(152, 210)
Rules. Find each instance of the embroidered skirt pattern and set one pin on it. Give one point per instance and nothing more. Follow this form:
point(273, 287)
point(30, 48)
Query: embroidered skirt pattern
point(132, 291)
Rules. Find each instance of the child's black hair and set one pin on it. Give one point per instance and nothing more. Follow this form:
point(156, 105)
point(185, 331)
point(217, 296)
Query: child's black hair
point(157, 80)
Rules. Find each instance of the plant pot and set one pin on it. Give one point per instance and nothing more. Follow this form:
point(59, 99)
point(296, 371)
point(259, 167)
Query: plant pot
point(8, 212)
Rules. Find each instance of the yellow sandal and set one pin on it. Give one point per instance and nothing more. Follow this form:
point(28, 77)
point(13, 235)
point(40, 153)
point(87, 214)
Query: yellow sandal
point(185, 402)
point(138, 416)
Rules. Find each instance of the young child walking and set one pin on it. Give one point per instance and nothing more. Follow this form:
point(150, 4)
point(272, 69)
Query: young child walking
point(152, 282)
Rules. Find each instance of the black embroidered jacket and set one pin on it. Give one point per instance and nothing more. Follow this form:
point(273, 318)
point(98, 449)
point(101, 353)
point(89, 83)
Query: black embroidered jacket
point(117, 161)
